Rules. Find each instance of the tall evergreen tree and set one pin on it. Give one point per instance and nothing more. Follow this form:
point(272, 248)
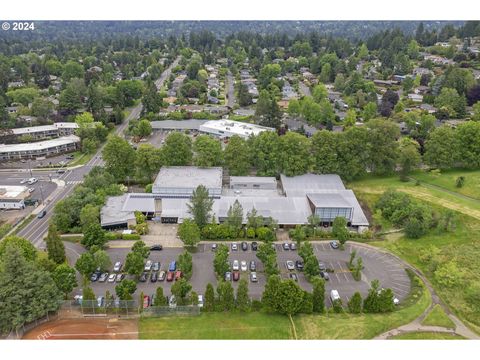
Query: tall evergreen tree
point(55, 247)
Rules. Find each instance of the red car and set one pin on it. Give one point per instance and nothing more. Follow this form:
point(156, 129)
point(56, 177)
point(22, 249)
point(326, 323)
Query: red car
point(170, 276)
point(178, 275)
point(236, 275)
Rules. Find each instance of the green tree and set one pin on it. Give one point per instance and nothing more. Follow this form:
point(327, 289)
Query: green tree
point(25, 247)
point(143, 128)
point(226, 296)
point(369, 111)
point(148, 162)
point(476, 111)
point(451, 102)
point(93, 235)
point(220, 261)
point(326, 73)
point(265, 150)
point(267, 110)
point(208, 151)
point(119, 157)
point(371, 302)
point(289, 297)
point(152, 99)
point(189, 232)
point(185, 264)
point(355, 303)
point(339, 229)
point(72, 69)
point(383, 146)
point(85, 265)
point(244, 97)
point(102, 260)
point(409, 157)
point(27, 293)
point(337, 306)
point(65, 279)
point(88, 294)
point(160, 298)
point(55, 247)
point(200, 206)
point(134, 263)
point(140, 248)
point(177, 150)
point(294, 154)
point(180, 289)
point(125, 289)
point(209, 298)
point(243, 299)
point(318, 295)
point(442, 148)
point(320, 92)
point(271, 293)
point(469, 138)
point(237, 156)
point(235, 216)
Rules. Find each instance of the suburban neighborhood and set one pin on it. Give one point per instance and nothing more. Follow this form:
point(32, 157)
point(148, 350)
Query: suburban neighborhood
point(192, 180)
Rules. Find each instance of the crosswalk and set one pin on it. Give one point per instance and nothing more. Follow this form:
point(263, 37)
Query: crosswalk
point(74, 182)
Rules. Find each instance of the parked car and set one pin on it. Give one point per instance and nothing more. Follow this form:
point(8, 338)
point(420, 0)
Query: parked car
point(69, 157)
point(214, 247)
point(173, 266)
point(156, 247)
point(253, 265)
point(23, 181)
point(293, 276)
point(325, 275)
point(153, 276)
point(170, 276)
point(100, 301)
point(234, 246)
point(299, 265)
point(243, 265)
point(244, 246)
point(61, 171)
point(322, 267)
point(103, 277)
point(286, 246)
point(290, 265)
point(178, 275)
point(254, 246)
point(228, 276)
point(148, 265)
point(96, 275)
point(117, 267)
point(253, 277)
point(200, 301)
point(236, 276)
point(143, 277)
point(31, 190)
point(162, 276)
point(235, 265)
point(156, 266)
point(334, 244)
point(119, 277)
point(172, 302)
point(42, 214)
point(334, 295)
point(293, 247)
point(111, 277)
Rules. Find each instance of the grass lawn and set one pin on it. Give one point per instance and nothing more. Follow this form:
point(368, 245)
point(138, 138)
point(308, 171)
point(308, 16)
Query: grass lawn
point(426, 336)
point(462, 245)
point(447, 180)
point(258, 325)
point(222, 326)
point(437, 317)
point(80, 158)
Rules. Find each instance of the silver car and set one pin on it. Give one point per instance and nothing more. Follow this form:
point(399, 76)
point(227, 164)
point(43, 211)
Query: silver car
point(103, 277)
point(234, 246)
point(253, 277)
point(235, 265)
point(148, 265)
point(117, 267)
point(290, 265)
point(111, 278)
point(243, 265)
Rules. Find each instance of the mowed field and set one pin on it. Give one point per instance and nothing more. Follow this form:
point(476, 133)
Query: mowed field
point(88, 328)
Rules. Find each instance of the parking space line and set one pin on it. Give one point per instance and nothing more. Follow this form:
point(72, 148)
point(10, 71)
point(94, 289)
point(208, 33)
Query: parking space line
point(345, 275)
point(401, 285)
point(403, 292)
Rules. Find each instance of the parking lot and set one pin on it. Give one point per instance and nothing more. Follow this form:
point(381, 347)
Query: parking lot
point(386, 268)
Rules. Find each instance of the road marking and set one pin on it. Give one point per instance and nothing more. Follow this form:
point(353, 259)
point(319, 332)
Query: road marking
point(75, 182)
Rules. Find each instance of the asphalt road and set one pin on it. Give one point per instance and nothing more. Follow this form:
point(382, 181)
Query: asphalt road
point(230, 90)
point(37, 228)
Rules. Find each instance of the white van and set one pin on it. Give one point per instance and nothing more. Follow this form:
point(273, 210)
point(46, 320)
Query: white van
point(334, 295)
point(200, 301)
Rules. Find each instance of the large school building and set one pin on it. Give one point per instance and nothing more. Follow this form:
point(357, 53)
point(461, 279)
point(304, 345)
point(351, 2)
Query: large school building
point(289, 200)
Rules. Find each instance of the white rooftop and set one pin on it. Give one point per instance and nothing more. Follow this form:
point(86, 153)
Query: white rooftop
point(233, 127)
point(189, 177)
point(43, 128)
point(13, 192)
point(40, 145)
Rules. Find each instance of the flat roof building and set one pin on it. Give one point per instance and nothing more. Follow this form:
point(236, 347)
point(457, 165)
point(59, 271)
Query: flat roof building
point(290, 202)
point(13, 197)
point(41, 132)
point(228, 128)
point(38, 149)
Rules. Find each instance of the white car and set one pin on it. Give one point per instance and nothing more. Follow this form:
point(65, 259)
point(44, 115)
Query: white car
point(23, 181)
point(235, 265)
point(234, 246)
point(112, 277)
point(31, 190)
point(148, 265)
point(396, 301)
point(117, 266)
point(200, 300)
point(253, 277)
point(172, 302)
point(290, 265)
point(243, 265)
point(32, 181)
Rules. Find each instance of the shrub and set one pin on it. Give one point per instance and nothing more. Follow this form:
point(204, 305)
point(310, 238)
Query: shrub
point(130, 237)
